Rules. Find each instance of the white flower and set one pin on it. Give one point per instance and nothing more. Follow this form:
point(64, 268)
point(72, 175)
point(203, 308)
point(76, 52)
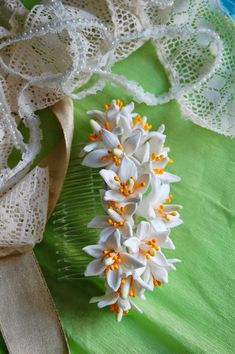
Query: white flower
point(146, 246)
point(114, 150)
point(156, 272)
point(119, 216)
point(125, 184)
point(153, 156)
point(116, 116)
point(148, 241)
point(121, 301)
point(162, 216)
point(112, 260)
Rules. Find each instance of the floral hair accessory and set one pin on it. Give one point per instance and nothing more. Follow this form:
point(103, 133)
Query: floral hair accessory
point(139, 216)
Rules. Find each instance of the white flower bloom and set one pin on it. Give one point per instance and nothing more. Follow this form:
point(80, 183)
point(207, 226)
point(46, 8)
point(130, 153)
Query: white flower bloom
point(112, 260)
point(121, 301)
point(156, 272)
point(146, 246)
point(119, 216)
point(114, 150)
point(153, 156)
point(125, 184)
point(148, 241)
point(162, 216)
point(116, 116)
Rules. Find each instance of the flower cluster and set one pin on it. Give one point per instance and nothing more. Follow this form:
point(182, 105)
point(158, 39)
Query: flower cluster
point(137, 202)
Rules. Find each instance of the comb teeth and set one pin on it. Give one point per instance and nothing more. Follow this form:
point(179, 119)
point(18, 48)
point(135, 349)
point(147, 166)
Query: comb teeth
point(78, 204)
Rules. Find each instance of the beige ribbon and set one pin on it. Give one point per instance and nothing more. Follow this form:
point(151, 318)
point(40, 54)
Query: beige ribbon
point(28, 319)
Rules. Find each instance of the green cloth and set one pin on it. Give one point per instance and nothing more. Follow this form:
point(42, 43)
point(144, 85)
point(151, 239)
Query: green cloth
point(194, 313)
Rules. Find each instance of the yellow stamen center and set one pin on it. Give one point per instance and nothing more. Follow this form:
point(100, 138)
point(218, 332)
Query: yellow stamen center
point(113, 223)
point(165, 215)
point(156, 282)
point(168, 200)
point(112, 257)
point(150, 251)
point(129, 187)
point(145, 125)
point(132, 292)
point(156, 157)
point(158, 171)
point(114, 205)
point(119, 103)
point(107, 125)
point(114, 155)
point(106, 106)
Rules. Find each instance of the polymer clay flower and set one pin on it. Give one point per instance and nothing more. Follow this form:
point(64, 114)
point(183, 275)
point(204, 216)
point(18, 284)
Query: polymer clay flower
point(147, 241)
point(119, 216)
point(119, 302)
point(146, 246)
point(111, 156)
point(155, 273)
point(154, 207)
point(116, 116)
point(112, 260)
point(125, 185)
point(153, 156)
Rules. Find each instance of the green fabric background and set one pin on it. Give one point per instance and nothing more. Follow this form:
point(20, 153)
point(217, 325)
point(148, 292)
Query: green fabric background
point(194, 313)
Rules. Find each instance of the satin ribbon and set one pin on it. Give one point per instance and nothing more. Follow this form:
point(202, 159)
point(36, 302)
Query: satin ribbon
point(28, 319)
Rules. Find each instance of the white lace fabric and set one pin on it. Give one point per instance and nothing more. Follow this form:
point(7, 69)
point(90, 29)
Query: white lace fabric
point(23, 212)
point(53, 50)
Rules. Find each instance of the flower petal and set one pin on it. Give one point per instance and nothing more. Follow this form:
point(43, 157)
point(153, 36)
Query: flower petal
point(129, 209)
point(95, 267)
point(145, 285)
point(156, 142)
point(96, 113)
point(145, 180)
point(160, 274)
point(119, 315)
point(142, 153)
point(132, 142)
point(160, 164)
point(127, 230)
point(132, 244)
point(113, 241)
point(125, 288)
point(110, 139)
point(114, 279)
point(95, 251)
point(114, 196)
point(160, 259)
point(168, 177)
point(114, 215)
point(143, 230)
point(158, 225)
point(109, 178)
point(95, 126)
point(168, 244)
point(99, 222)
point(94, 158)
point(108, 300)
point(105, 234)
point(128, 108)
point(89, 147)
point(130, 262)
point(127, 169)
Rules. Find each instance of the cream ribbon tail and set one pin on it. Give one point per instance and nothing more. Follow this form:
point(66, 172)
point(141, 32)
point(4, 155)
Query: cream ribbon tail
point(28, 319)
